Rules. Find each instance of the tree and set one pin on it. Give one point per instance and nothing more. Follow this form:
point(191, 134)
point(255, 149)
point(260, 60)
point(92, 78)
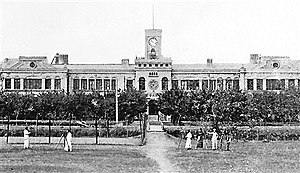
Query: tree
point(176, 103)
point(132, 103)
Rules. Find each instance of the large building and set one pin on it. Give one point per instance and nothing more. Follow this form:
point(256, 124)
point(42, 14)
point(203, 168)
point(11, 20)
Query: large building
point(153, 73)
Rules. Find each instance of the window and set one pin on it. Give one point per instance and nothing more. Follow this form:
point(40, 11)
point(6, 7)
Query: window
point(75, 84)
point(259, 83)
point(164, 82)
point(17, 84)
point(175, 84)
point(275, 84)
point(129, 84)
point(212, 84)
point(291, 83)
point(142, 83)
point(250, 84)
point(228, 83)
point(113, 84)
point(184, 84)
point(91, 84)
point(57, 84)
point(193, 84)
point(219, 84)
point(83, 84)
point(236, 84)
point(8, 83)
point(106, 84)
point(204, 84)
point(47, 84)
point(32, 83)
point(99, 84)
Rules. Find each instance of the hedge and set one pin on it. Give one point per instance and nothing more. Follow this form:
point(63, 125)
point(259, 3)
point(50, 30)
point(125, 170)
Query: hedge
point(76, 131)
point(269, 133)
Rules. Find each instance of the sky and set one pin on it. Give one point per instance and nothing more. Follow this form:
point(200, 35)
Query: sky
point(102, 31)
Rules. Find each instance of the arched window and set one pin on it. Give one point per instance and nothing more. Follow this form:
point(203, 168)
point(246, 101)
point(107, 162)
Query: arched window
point(164, 84)
point(142, 83)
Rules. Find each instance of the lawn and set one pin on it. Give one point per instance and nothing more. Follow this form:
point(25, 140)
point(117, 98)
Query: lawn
point(256, 156)
point(84, 158)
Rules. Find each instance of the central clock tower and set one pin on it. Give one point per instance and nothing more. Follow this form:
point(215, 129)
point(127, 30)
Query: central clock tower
point(153, 43)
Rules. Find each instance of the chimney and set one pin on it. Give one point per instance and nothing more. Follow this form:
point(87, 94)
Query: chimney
point(209, 62)
point(60, 59)
point(255, 58)
point(125, 61)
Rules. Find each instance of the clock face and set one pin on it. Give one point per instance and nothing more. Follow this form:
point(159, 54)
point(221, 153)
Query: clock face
point(153, 84)
point(152, 41)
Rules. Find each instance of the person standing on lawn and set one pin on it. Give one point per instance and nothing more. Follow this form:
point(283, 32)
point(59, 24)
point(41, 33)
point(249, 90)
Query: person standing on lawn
point(68, 141)
point(188, 144)
point(199, 139)
point(26, 138)
point(228, 140)
point(214, 139)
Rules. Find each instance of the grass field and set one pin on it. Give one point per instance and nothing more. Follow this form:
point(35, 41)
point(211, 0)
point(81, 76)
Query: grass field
point(85, 158)
point(283, 156)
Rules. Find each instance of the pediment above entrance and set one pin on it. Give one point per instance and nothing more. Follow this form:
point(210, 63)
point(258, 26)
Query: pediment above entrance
point(28, 64)
point(273, 63)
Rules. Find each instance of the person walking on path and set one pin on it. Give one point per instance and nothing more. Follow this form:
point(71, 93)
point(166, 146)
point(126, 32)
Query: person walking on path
point(68, 141)
point(214, 139)
point(26, 138)
point(188, 144)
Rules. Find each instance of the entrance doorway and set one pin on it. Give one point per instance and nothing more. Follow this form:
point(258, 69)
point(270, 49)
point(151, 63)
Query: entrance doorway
point(153, 108)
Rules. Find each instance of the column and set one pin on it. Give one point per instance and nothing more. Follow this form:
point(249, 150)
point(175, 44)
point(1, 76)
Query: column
point(254, 84)
point(224, 84)
point(264, 84)
point(179, 84)
point(12, 83)
point(43, 84)
point(52, 84)
point(79, 83)
point(286, 83)
point(64, 83)
point(200, 84)
point(3, 84)
point(296, 83)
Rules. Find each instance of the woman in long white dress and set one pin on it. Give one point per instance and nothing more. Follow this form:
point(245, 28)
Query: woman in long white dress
point(26, 138)
point(68, 141)
point(188, 144)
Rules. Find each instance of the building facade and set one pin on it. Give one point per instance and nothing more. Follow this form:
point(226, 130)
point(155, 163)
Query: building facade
point(152, 73)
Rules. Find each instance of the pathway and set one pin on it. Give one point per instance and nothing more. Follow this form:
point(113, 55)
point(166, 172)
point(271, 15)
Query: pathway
point(156, 148)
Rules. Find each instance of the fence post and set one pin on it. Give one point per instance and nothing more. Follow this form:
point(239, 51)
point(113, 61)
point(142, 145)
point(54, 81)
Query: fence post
point(49, 131)
point(7, 129)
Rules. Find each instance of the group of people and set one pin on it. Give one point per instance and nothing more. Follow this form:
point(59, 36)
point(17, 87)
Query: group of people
point(67, 136)
point(202, 139)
